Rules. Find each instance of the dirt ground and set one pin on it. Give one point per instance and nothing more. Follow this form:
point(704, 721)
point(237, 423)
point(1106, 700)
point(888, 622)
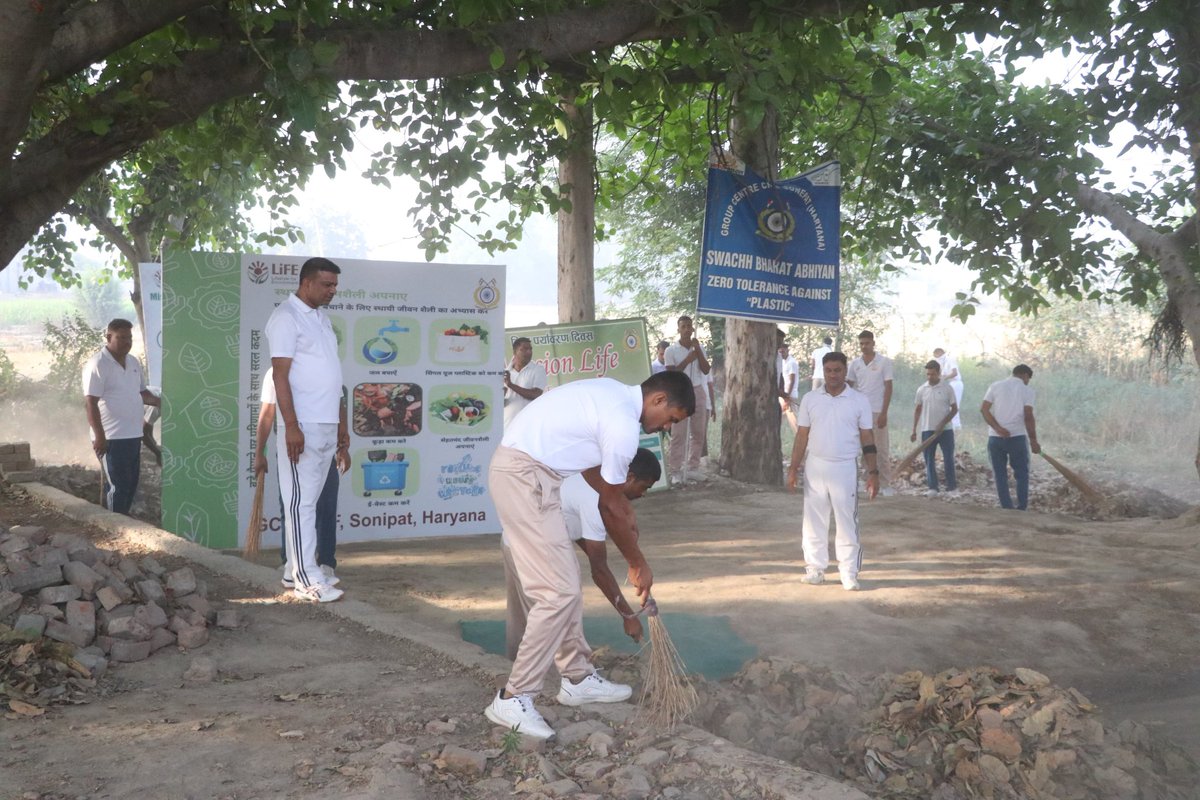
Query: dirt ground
point(1110, 608)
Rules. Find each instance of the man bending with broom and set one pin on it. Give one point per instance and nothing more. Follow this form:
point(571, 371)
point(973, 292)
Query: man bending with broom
point(590, 427)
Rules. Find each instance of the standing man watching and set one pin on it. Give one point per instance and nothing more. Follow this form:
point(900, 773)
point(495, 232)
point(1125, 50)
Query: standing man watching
point(1008, 410)
point(789, 395)
point(871, 374)
point(656, 363)
point(818, 369)
point(114, 391)
point(935, 402)
point(835, 425)
point(581, 513)
point(687, 356)
point(953, 377)
point(308, 391)
point(524, 380)
point(591, 427)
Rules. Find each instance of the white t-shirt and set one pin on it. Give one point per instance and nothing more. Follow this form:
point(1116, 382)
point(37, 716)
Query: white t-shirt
point(835, 422)
point(676, 353)
point(657, 366)
point(533, 376)
point(869, 378)
point(581, 510)
point(305, 335)
point(935, 403)
point(818, 367)
point(1009, 398)
point(120, 392)
point(582, 424)
point(267, 391)
point(948, 365)
point(791, 369)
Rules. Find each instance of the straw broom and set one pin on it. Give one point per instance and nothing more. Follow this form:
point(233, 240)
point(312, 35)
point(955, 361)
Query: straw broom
point(1079, 483)
point(668, 697)
point(254, 529)
point(916, 451)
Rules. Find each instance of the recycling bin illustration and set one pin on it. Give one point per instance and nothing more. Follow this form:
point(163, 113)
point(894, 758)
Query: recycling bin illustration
point(384, 476)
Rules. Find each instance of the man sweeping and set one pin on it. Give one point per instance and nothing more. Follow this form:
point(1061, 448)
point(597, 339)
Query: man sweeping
point(590, 427)
point(581, 513)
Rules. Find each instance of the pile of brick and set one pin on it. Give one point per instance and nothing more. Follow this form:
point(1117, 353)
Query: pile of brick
point(16, 463)
point(103, 605)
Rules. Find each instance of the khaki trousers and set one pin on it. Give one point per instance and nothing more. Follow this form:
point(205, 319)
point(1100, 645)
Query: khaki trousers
point(691, 431)
point(883, 454)
point(543, 558)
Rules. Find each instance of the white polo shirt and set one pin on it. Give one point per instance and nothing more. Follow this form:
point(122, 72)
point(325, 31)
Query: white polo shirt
point(1009, 398)
point(120, 392)
point(791, 368)
point(948, 364)
point(935, 403)
point(675, 355)
point(818, 367)
point(581, 510)
point(869, 378)
point(834, 422)
point(533, 376)
point(305, 335)
point(581, 424)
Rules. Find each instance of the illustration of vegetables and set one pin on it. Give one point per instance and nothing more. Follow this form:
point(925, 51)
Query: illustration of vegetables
point(459, 410)
point(468, 330)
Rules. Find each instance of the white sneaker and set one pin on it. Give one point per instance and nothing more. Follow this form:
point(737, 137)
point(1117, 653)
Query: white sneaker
point(931, 493)
point(850, 584)
point(813, 577)
point(592, 689)
point(318, 593)
point(330, 578)
point(518, 713)
point(953, 493)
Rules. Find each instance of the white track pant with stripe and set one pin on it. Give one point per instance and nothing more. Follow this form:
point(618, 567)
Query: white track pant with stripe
point(831, 485)
point(300, 485)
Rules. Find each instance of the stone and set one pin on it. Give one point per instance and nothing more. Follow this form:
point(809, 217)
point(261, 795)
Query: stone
point(128, 628)
point(96, 663)
point(72, 542)
point(198, 604)
point(35, 578)
point(62, 632)
point(201, 670)
point(651, 758)
point(123, 591)
point(151, 566)
point(34, 533)
point(47, 556)
point(83, 576)
point(51, 612)
point(600, 743)
point(440, 726)
point(128, 651)
point(30, 624)
point(229, 618)
point(630, 783)
point(161, 638)
point(192, 637)
point(564, 787)
point(181, 582)
point(9, 602)
point(106, 572)
point(151, 616)
point(399, 753)
point(151, 591)
point(14, 544)
point(459, 759)
point(736, 727)
point(108, 598)
point(86, 557)
point(105, 643)
point(53, 595)
point(591, 770)
point(19, 562)
point(579, 731)
point(82, 614)
point(129, 570)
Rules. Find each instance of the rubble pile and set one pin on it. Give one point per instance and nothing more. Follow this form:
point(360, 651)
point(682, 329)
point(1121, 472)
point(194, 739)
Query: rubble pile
point(69, 608)
point(969, 473)
point(951, 736)
point(84, 483)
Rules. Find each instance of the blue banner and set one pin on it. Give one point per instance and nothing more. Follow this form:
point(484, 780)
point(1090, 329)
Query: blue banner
point(771, 250)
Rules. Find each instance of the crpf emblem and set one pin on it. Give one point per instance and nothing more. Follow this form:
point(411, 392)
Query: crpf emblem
point(776, 223)
point(486, 294)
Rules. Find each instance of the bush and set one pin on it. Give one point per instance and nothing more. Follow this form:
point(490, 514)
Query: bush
point(10, 380)
point(70, 345)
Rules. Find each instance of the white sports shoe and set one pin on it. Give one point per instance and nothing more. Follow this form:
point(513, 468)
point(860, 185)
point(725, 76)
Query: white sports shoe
point(592, 689)
point(931, 493)
point(330, 577)
point(814, 578)
point(518, 713)
point(850, 584)
point(318, 593)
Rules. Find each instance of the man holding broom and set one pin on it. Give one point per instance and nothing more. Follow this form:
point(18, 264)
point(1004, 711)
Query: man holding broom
point(1008, 410)
point(935, 402)
point(590, 427)
point(835, 423)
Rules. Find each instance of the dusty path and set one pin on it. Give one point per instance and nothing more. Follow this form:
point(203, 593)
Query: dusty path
point(1111, 608)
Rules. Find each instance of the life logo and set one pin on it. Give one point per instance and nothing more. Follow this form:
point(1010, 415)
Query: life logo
point(258, 272)
point(487, 295)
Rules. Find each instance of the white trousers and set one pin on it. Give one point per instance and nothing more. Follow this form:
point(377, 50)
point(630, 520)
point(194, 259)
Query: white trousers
point(831, 486)
point(300, 485)
point(957, 386)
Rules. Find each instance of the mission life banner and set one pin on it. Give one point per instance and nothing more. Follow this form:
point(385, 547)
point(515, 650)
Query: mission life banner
point(422, 349)
point(771, 250)
point(617, 349)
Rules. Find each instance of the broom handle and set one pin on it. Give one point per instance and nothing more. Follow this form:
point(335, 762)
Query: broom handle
point(921, 447)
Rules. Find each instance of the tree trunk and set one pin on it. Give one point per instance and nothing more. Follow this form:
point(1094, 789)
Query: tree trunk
point(750, 444)
point(577, 227)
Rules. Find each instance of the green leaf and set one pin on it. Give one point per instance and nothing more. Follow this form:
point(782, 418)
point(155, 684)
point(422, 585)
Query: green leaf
point(496, 59)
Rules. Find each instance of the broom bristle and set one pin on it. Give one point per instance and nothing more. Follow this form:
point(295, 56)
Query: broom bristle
point(668, 697)
point(254, 528)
